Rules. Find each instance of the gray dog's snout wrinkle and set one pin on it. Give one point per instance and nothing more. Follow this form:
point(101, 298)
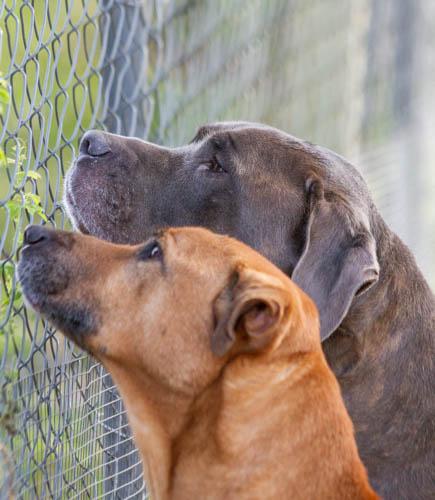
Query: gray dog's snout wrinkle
point(94, 143)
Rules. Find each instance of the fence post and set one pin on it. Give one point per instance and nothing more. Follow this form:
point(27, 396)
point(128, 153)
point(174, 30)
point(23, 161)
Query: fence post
point(124, 41)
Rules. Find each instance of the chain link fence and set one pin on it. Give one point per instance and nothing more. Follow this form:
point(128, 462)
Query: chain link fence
point(356, 76)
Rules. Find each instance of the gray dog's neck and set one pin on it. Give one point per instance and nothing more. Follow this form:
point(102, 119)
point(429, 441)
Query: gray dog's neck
point(402, 293)
point(382, 354)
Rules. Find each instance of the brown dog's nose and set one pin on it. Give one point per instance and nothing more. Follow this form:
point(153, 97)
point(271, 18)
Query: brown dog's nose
point(36, 234)
point(94, 143)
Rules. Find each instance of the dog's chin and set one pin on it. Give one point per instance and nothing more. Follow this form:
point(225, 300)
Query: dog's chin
point(80, 226)
point(33, 299)
point(75, 320)
point(84, 224)
point(73, 212)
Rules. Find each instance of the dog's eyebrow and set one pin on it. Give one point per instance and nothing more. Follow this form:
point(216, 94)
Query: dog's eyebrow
point(202, 132)
point(172, 235)
point(159, 233)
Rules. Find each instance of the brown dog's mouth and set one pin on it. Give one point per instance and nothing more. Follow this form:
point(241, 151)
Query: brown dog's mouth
point(40, 276)
point(46, 282)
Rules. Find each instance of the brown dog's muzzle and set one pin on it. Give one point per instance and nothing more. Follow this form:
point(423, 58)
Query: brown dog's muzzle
point(45, 270)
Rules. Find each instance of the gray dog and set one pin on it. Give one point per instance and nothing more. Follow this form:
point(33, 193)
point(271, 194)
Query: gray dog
point(309, 211)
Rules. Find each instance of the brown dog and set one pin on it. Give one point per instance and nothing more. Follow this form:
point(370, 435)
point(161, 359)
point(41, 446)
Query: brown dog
point(217, 356)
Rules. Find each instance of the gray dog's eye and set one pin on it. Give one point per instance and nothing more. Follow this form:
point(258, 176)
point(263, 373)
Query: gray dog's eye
point(150, 251)
point(211, 166)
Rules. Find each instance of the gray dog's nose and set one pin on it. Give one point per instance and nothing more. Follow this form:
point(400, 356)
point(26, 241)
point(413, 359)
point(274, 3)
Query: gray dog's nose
point(35, 234)
point(94, 143)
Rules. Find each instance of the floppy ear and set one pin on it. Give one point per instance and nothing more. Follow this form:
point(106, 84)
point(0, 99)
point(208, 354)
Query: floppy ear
point(337, 262)
point(249, 313)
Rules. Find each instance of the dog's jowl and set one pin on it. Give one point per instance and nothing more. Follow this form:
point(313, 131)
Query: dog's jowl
point(309, 211)
point(217, 356)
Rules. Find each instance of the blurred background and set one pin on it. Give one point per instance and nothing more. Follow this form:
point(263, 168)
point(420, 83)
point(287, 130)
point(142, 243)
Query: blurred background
point(357, 76)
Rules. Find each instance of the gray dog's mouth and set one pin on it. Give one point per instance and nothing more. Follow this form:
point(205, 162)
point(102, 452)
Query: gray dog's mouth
point(73, 212)
point(72, 208)
point(98, 204)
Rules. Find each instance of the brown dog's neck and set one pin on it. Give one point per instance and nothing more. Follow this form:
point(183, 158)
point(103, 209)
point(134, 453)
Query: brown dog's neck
point(156, 417)
point(250, 389)
point(164, 423)
point(223, 434)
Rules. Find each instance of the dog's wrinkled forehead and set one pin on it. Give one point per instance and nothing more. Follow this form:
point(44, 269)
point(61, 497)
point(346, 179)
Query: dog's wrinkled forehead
point(249, 129)
point(251, 148)
point(336, 172)
point(211, 128)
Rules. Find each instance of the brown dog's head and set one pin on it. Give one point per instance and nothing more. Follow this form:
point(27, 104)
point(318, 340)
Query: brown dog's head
point(303, 207)
point(176, 307)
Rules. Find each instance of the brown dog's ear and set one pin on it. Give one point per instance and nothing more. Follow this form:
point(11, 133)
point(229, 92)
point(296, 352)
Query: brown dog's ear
point(249, 312)
point(337, 262)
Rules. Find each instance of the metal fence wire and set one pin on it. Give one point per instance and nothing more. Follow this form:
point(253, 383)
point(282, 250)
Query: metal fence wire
point(356, 76)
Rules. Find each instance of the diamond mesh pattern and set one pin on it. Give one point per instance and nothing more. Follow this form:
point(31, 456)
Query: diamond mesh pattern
point(354, 76)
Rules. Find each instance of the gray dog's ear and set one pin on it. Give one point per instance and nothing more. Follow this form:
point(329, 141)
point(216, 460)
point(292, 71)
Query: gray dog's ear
point(338, 262)
point(250, 313)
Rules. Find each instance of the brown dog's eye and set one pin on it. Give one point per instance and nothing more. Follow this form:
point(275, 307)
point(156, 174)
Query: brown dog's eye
point(151, 250)
point(211, 166)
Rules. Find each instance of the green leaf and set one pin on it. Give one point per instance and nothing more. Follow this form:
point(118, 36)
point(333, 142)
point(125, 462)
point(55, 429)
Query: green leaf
point(14, 208)
point(33, 174)
point(4, 95)
point(40, 212)
point(32, 198)
point(43, 216)
point(19, 177)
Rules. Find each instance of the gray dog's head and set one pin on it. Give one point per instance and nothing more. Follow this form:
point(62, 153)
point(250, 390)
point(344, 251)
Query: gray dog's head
point(302, 206)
